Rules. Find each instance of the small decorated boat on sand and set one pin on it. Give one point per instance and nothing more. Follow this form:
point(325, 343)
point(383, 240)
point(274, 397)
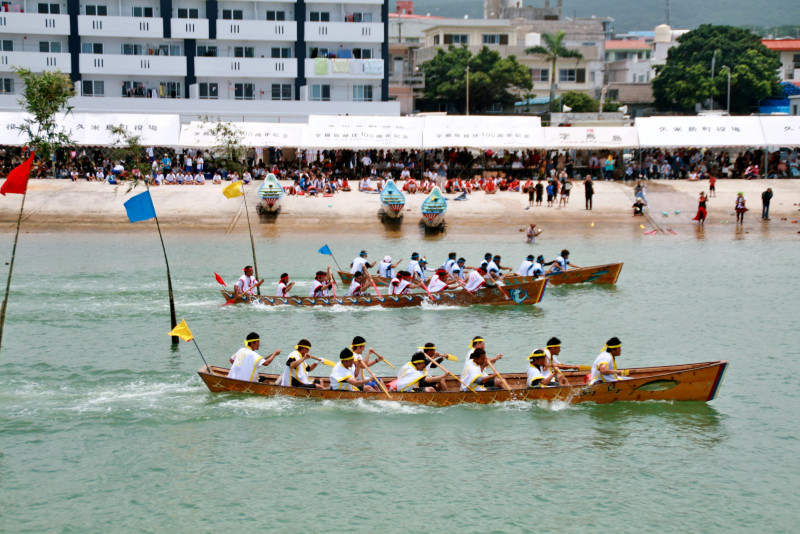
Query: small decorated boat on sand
point(698, 382)
point(271, 193)
point(392, 201)
point(529, 292)
point(433, 209)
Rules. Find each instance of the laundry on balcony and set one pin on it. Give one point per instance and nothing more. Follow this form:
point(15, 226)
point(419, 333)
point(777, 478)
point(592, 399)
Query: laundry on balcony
point(373, 66)
point(340, 66)
point(356, 66)
point(320, 66)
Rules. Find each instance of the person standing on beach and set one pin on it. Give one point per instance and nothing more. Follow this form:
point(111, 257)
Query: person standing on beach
point(740, 207)
point(539, 192)
point(588, 190)
point(701, 209)
point(246, 283)
point(712, 186)
point(766, 197)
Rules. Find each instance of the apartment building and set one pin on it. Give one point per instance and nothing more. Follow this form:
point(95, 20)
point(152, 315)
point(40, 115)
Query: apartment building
point(789, 51)
point(210, 55)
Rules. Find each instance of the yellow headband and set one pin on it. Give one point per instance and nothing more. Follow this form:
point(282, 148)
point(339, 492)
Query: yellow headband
point(612, 346)
point(348, 358)
point(426, 348)
point(472, 343)
point(354, 345)
point(248, 341)
point(533, 355)
point(298, 347)
point(553, 346)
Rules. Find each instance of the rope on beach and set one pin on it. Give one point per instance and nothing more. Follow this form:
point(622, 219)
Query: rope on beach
point(647, 215)
point(235, 219)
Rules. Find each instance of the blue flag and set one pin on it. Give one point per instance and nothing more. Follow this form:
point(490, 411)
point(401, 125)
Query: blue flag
point(326, 250)
point(140, 207)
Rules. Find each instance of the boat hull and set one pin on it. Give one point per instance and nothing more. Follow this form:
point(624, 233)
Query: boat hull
point(269, 205)
point(698, 382)
point(433, 220)
point(392, 211)
point(598, 274)
point(526, 293)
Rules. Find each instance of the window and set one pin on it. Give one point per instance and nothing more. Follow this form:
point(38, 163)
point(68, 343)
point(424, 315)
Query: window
point(321, 92)
point(362, 53)
point(168, 50)
point(50, 47)
point(7, 46)
point(276, 15)
point(572, 75)
point(97, 11)
point(358, 17)
point(796, 61)
point(540, 75)
point(281, 91)
point(185, 13)
point(93, 88)
point(362, 93)
point(206, 51)
point(436, 39)
point(281, 53)
point(52, 9)
point(456, 38)
point(232, 14)
point(209, 91)
point(244, 91)
point(169, 89)
point(91, 48)
point(318, 52)
point(133, 89)
point(142, 11)
point(129, 49)
point(493, 38)
point(319, 16)
point(244, 51)
point(6, 86)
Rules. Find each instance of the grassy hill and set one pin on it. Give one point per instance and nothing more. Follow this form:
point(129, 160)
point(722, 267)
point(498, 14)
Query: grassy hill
point(645, 14)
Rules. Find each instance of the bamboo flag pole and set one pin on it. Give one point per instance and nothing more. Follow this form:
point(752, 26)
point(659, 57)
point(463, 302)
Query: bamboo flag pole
point(172, 318)
point(10, 271)
point(252, 243)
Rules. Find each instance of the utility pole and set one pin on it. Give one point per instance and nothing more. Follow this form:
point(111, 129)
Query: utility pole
point(467, 89)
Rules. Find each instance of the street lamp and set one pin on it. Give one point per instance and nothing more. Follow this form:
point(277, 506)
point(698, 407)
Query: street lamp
point(729, 87)
point(713, 61)
point(467, 89)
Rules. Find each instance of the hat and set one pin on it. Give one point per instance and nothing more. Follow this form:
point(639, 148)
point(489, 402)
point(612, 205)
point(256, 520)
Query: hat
point(387, 259)
point(423, 260)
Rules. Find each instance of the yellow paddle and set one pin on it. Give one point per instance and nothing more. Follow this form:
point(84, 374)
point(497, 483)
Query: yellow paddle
point(380, 383)
point(503, 380)
point(384, 359)
point(324, 361)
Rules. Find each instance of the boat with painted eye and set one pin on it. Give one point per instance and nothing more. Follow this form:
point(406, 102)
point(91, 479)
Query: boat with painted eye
point(392, 200)
point(525, 293)
point(271, 192)
point(433, 209)
point(698, 382)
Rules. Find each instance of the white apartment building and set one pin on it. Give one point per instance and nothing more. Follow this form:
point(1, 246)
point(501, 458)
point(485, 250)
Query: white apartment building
point(273, 57)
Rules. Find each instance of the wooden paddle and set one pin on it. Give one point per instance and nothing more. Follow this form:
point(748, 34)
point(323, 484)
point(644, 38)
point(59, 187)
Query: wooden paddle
point(464, 285)
point(324, 361)
point(380, 383)
point(422, 283)
point(387, 362)
point(333, 281)
point(503, 380)
point(374, 285)
point(434, 362)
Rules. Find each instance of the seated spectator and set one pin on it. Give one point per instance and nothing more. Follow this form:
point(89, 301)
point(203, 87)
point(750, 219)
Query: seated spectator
point(217, 179)
point(199, 179)
point(365, 184)
point(638, 206)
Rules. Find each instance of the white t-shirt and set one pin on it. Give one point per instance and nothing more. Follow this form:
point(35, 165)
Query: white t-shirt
point(525, 268)
point(282, 290)
point(385, 269)
point(358, 265)
point(355, 289)
point(472, 372)
point(535, 373)
point(475, 281)
point(317, 292)
point(245, 283)
point(300, 372)
point(408, 377)
point(399, 287)
point(561, 264)
point(245, 365)
point(604, 358)
point(436, 284)
point(339, 374)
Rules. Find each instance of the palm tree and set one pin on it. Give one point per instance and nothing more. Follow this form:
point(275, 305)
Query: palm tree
point(553, 50)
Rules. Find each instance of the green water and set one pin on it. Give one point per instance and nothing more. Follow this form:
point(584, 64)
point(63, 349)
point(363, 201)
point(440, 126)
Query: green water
point(104, 428)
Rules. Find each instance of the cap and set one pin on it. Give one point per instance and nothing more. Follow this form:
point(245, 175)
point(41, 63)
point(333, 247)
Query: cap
point(423, 260)
point(387, 259)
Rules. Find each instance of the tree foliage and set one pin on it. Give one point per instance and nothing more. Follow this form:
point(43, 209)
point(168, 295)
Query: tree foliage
point(128, 147)
point(492, 79)
point(686, 78)
point(579, 102)
point(553, 50)
point(230, 149)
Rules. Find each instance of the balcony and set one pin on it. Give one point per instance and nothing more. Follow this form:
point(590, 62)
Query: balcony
point(257, 30)
point(133, 65)
point(344, 32)
point(189, 28)
point(245, 67)
point(363, 69)
point(358, 2)
point(140, 27)
point(34, 23)
point(35, 61)
point(415, 79)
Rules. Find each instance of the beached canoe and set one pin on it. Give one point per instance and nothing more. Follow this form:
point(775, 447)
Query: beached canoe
point(392, 200)
point(691, 382)
point(529, 292)
point(271, 193)
point(433, 209)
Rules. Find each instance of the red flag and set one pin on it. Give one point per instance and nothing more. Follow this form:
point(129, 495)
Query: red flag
point(17, 181)
point(220, 280)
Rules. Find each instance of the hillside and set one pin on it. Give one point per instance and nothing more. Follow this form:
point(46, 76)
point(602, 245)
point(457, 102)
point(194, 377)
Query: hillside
point(644, 15)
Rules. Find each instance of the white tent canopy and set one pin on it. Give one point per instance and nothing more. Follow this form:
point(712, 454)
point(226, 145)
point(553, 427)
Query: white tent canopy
point(781, 131)
point(676, 132)
point(588, 138)
point(481, 131)
point(362, 132)
point(255, 134)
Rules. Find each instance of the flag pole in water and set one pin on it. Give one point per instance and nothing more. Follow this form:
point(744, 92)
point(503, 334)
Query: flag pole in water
point(17, 182)
point(182, 331)
point(140, 208)
point(235, 189)
point(327, 250)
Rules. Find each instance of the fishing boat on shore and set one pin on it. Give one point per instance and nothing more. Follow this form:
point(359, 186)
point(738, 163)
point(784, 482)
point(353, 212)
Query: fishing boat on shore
point(392, 201)
point(698, 382)
point(271, 193)
point(433, 209)
point(525, 293)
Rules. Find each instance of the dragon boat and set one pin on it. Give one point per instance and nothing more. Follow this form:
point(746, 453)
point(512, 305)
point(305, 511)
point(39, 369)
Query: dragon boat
point(271, 193)
point(433, 209)
point(698, 382)
point(392, 201)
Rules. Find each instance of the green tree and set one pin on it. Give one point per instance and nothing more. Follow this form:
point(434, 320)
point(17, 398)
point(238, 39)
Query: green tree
point(686, 78)
point(230, 149)
point(553, 50)
point(492, 78)
point(128, 147)
point(579, 102)
point(45, 95)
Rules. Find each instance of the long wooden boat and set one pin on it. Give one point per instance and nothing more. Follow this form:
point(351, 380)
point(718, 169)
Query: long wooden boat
point(271, 193)
point(599, 274)
point(529, 292)
point(392, 200)
point(690, 382)
point(433, 209)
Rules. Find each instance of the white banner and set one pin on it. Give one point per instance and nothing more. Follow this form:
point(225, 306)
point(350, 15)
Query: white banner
point(483, 131)
point(781, 131)
point(595, 137)
point(677, 132)
point(362, 132)
point(254, 134)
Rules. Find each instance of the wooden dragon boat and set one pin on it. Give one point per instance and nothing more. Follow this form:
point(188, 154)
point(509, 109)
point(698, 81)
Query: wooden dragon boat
point(271, 193)
point(690, 382)
point(529, 292)
point(599, 274)
point(392, 201)
point(433, 209)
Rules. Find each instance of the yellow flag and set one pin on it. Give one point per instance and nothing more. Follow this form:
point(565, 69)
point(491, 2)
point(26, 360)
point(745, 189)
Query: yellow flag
point(182, 331)
point(233, 190)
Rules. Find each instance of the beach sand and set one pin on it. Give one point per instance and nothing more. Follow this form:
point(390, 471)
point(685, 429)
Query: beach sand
point(77, 206)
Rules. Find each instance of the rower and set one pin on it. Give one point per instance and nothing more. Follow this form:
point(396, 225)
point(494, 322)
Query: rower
point(450, 263)
point(552, 350)
point(486, 259)
point(246, 283)
point(245, 362)
point(604, 368)
point(439, 281)
point(413, 376)
point(284, 285)
point(360, 262)
point(421, 267)
point(386, 267)
point(562, 263)
point(357, 346)
point(478, 279)
point(526, 267)
point(295, 373)
point(494, 265)
point(459, 268)
point(342, 378)
point(413, 265)
point(356, 286)
point(538, 373)
point(321, 286)
point(475, 375)
point(401, 284)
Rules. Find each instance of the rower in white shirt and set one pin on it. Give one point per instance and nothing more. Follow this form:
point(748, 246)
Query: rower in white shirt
point(419, 271)
point(440, 281)
point(356, 286)
point(342, 377)
point(604, 368)
point(246, 283)
point(562, 263)
point(478, 279)
point(321, 286)
point(538, 373)
point(413, 376)
point(401, 284)
point(386, 267)
point(360, 262)
point(284, 285)
point(245, 363)
point(295, 372)
point(475, 377)
point(450, 263)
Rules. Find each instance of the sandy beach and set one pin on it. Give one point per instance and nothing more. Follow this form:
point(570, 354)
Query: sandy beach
point(76, 206)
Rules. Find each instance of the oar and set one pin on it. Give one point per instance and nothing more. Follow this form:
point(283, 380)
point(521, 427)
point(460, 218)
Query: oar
point(503, 380)
point(500, 287)
point(384, 359)
point(434, 362)
point(333, 282)
point(324, 361)
point(375, 378)
point(374, 285)
point(422, 283)
point(464, 285)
